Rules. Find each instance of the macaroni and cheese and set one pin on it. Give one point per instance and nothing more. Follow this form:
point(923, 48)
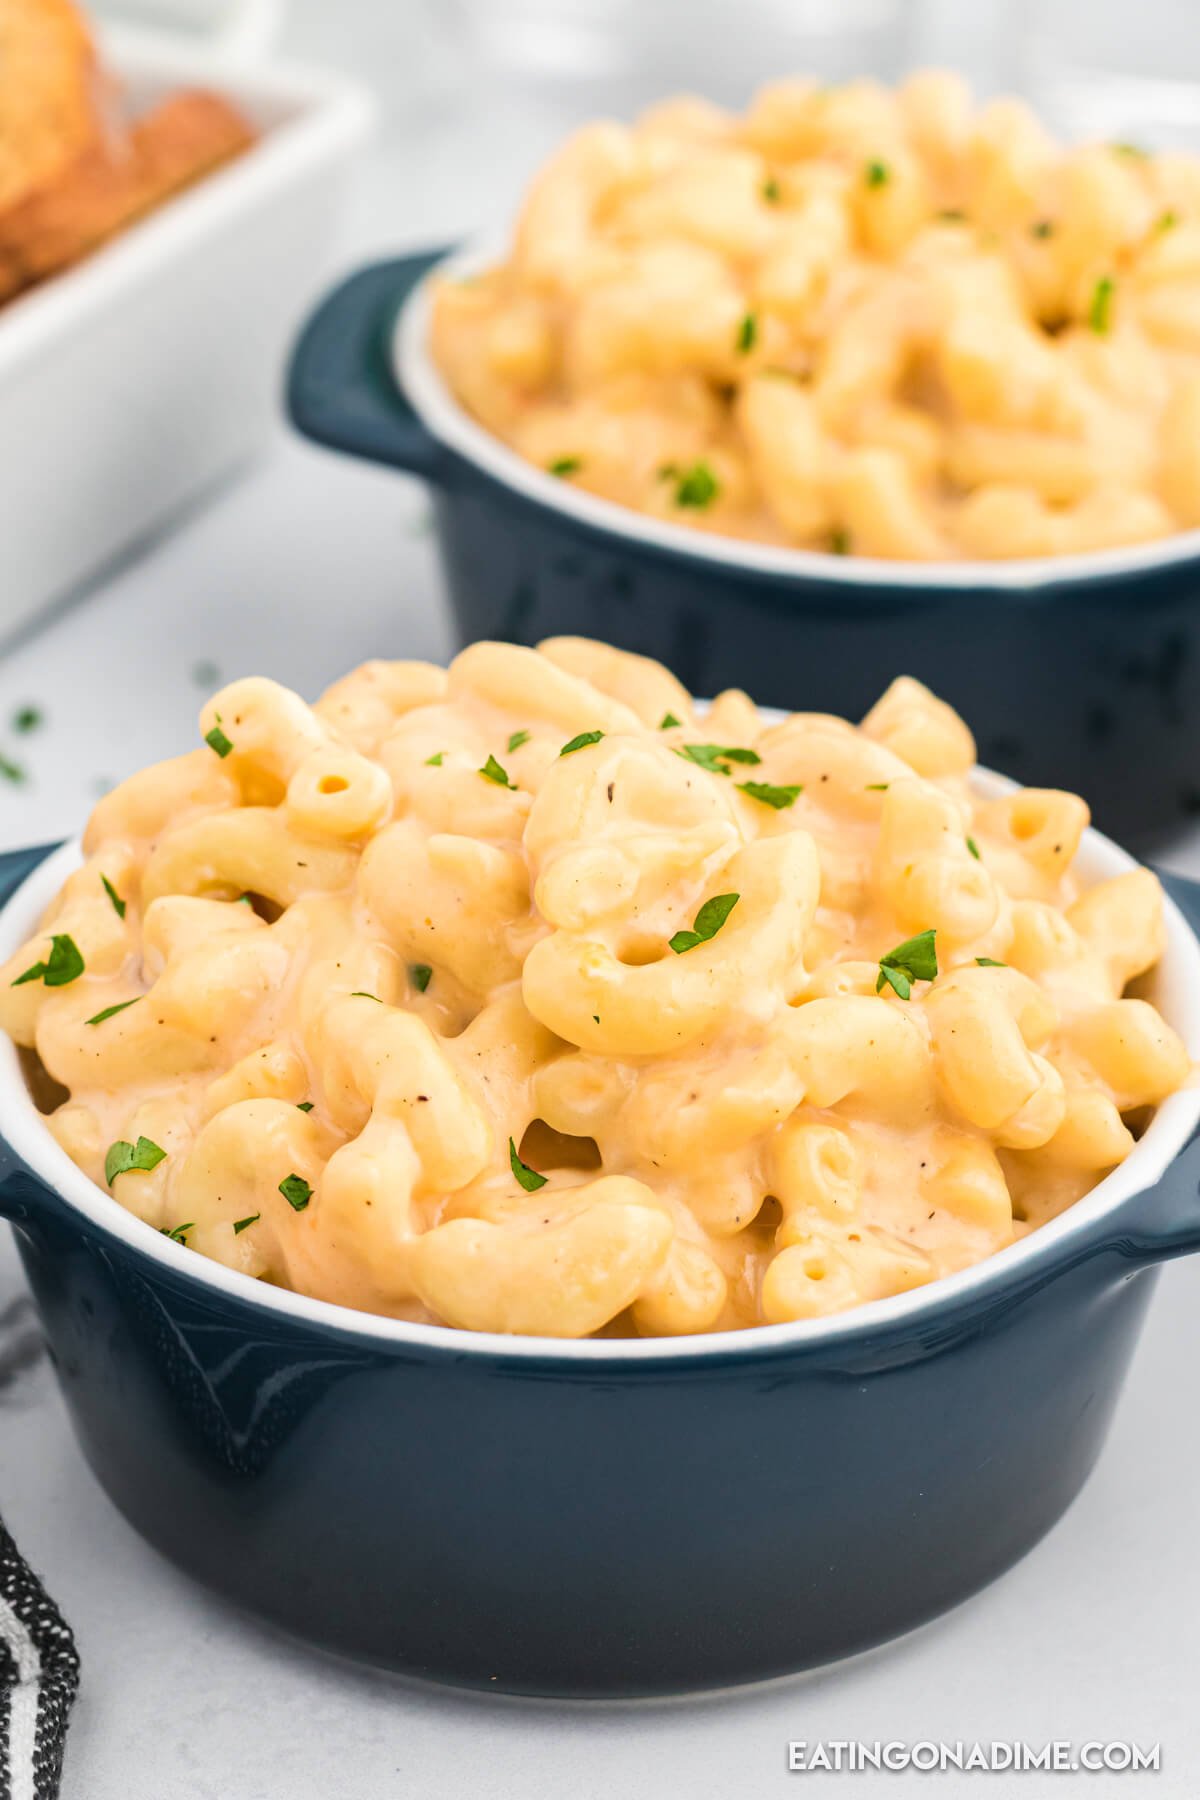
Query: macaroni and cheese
point(851, 320)
point(532, 996)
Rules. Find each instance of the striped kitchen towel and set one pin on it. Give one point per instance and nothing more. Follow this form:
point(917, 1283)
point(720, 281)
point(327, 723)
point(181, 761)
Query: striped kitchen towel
point(39, 1673)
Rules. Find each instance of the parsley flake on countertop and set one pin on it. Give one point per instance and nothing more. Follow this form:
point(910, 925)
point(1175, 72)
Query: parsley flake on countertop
point(296, 1192)
point(708, 922)
point(581, 742)
point(63, 964)
point(240, 1225)
point(110, 1012)
point(123, 1156)
point(205, 674)
point(26, 719)
point(12, 771)
point(778, 797)
point(494, 771)
point(118, 905)
point(714, 757)
point(420, 974)
point(529, 1178)
point(913, 960)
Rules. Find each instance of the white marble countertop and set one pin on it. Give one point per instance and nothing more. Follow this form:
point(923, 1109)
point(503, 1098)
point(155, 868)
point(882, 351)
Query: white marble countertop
point(1095, 1635)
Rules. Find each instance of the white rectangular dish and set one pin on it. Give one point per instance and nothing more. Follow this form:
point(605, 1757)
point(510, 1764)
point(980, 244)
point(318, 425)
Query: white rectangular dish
point(135, 380)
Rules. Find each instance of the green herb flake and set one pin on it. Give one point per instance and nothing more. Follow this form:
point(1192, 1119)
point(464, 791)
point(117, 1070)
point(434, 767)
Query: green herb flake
point(110, 1012)
point(1137, 152)
point(529, 1178)
point(913, 960)
point(696, 487)
point(205, 674)
point(1042, 228)
point(517, 739)
point(839, 541)
point(1100, 310)
point(708, 922)
point(747, 334)
point(876, 174)
point(716, 757)
point(420, 974)
point(973, 847)
point(669, 722)
point(435, 761)
point(361, 994)
point(581, 742)
point(771, 191)
point(296, 1192)
point(177, 1233)
point(493, 771)
point(562, 466)
point(64, 964)
point(118, 905)
point(240, 1225)
point(778, 797)
point(1166, 221)
point(216, 740)
point(12, 771)
point(878, 787)
point(26, 719)
point(988, 962)
point(304, 1106)
point(124, 1156)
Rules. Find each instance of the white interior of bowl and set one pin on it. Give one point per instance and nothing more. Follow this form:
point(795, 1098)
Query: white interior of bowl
point(442, 415)
point(1176, 991)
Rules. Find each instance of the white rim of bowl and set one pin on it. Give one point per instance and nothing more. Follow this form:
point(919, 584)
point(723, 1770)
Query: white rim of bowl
point(421, 383)
point(1172, 1125)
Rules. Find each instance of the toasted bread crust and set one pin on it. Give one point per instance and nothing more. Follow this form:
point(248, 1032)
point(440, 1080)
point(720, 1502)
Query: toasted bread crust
point(51, 94)
point(115, 182)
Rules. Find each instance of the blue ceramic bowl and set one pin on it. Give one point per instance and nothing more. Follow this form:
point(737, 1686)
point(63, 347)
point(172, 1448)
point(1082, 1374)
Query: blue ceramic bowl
point(604, 1517)
point(1080, 671)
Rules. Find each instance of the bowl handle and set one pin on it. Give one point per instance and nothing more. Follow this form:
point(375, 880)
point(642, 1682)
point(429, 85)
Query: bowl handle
point(342, 389)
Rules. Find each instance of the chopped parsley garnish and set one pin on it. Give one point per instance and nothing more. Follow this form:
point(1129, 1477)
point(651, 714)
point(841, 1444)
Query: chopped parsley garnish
point(240, 1225)
point(581, 742)
point(913, 960)
point(878, 787)
point(715, 757)
point(304, 1106)
point(1137, 151)
point(493, 771)
point(361, 994)
point(118, 905)
point(747, 334)
point(517, 739)
point(435, 761)
point(529, 1178)
point(668, 722)
point(770, 191)
point(839, 541)
point(216, 739)
point(123, 1156)
point(296, 1192)
point(696, 487)
point(63, 964)
point(1167, 221)
point(205, 674)
point(420, 974)
point(12, 771)
point(1100, 310)
point(988, 962)
point(110, 1012)
point(778, 797)
point(26, 719)
point(1042, 228)
point(876, 174)
point(177, 1233)
point(565, 465)
point(973, 847)
point(708, 922)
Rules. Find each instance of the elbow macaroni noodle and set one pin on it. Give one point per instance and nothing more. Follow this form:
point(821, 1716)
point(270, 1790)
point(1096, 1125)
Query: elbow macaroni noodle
point(851, 319)
point(529, 997)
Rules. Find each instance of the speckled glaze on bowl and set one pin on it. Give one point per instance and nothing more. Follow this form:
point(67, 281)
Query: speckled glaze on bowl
point(1079, 671)
point(607, 1517)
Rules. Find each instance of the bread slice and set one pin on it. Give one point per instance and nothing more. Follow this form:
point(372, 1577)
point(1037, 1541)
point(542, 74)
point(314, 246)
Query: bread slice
point(113, 183)
point(51, 94)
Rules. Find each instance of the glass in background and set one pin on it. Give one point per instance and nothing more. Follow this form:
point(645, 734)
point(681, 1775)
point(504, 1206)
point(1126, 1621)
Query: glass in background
point(1109, 69)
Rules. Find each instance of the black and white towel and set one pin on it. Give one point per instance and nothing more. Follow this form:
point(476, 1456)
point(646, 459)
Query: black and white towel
point(39, 1673)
